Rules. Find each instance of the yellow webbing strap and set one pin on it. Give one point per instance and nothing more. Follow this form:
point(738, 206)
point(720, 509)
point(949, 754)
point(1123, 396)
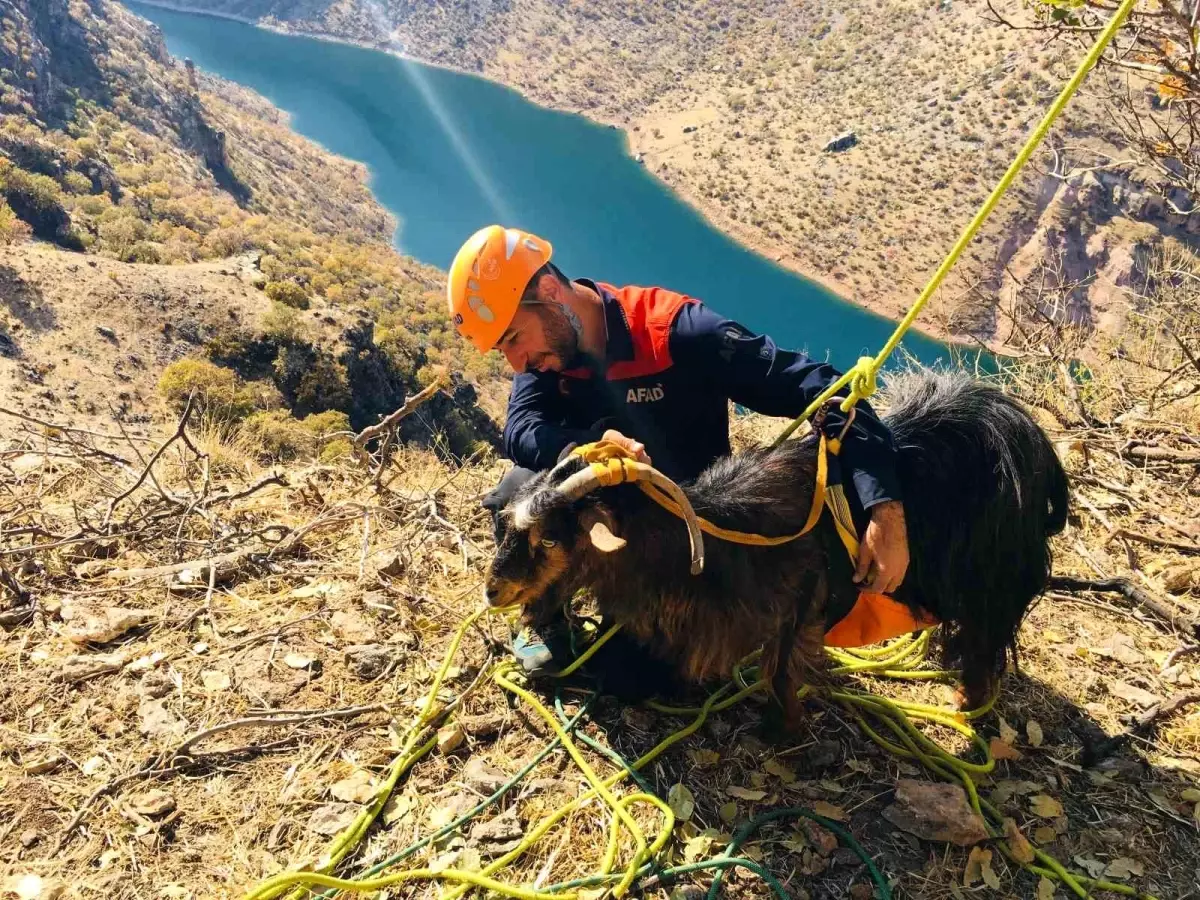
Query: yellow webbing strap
point(613, 465)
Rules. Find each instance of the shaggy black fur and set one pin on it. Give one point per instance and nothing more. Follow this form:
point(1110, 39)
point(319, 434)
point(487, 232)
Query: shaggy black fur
point(983, 493)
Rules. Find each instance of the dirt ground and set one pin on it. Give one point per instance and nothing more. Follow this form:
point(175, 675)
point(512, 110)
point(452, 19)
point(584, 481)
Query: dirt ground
point(164, 735)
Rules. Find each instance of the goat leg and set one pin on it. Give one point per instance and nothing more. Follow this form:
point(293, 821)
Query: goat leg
point(796, 658)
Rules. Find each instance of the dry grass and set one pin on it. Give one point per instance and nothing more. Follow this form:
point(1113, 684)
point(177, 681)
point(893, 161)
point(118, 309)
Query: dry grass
point(336, 564)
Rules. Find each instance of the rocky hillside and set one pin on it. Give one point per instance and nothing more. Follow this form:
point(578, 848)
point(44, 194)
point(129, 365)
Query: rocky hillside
point(180, 215)
point(732, 104)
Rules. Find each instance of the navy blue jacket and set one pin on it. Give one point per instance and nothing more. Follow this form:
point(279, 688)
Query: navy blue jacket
point(672, 366)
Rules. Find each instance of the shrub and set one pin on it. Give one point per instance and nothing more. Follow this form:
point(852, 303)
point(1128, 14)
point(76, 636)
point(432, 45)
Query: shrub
point(276, 435)
point(288, 293)
point(218, 391)
point(283, 325)
point(12, 229)
point(324, 423)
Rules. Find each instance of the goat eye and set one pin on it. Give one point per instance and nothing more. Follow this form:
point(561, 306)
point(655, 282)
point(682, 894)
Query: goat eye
point(548, 543)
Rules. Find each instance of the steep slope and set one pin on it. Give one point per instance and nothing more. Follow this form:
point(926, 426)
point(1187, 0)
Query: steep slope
point(732, 104)
point(110, 147)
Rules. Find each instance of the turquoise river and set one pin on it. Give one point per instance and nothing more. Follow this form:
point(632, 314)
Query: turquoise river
point(450, 152)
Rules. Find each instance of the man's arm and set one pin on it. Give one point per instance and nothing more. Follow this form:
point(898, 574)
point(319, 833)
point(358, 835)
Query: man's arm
point(761, 376)
point(533, 438)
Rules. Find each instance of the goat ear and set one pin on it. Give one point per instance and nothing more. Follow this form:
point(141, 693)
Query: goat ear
point(598, 524)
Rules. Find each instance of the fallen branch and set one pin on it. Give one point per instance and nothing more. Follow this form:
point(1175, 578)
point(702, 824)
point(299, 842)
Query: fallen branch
point(272, 721)
point(1101, 750)
point(392, 419)
point(1134, 594)
point(179, 433)
point(1145, 454)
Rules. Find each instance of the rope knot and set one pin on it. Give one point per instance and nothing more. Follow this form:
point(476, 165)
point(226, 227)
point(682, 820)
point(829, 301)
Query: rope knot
point(863, 380)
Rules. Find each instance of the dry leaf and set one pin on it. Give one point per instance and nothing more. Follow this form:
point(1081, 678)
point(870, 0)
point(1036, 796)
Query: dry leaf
point(1008, 734)
point(1191, 795)
point(1045, 806)
point(1044, 834)
point(976, 863)
point(745, 793)
point(728, 812)
point(1092, 866)
point(829, 811)
point(358, 788)
point(1022, 850)
point(1002, 749)
point(1034, 732)
point(450, 737)
point(780, 771)
point(1045, 889)
point(697, 847)
point(1122, 867)
point(298, 661)
point(682, 802)
point(704, 758)
point(831, 786)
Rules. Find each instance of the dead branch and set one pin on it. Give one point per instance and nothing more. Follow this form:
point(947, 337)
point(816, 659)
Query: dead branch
point(390, 421)
point(1141, 725)
point(272, 479)
point(1144, 454)
point(179, 433)
point(1131, 592)
point(273, 721)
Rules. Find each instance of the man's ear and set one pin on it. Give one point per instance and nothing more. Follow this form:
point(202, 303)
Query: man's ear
point(598, 523)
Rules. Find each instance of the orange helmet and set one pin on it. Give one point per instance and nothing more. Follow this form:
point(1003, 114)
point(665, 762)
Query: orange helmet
point(488, 276)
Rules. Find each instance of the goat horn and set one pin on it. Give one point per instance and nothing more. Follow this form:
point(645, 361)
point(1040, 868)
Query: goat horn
point(675, 492)
point(581, 483)
point(585, 481)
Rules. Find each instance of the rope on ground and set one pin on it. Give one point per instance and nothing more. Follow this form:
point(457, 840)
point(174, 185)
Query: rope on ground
point(897, 659)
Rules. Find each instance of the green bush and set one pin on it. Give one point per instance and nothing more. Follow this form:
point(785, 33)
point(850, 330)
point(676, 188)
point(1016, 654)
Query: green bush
point(12, 229)
point(276, 435)
point(288, 293)
point(219, 392)
point(324, 423)
point(283, 325)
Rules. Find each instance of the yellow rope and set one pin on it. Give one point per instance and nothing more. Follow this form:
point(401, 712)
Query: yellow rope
point(862, 376)
point(896, 659)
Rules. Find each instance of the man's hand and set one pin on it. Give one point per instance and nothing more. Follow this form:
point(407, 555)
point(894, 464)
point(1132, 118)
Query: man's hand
point(635, 447)
point(883, 553)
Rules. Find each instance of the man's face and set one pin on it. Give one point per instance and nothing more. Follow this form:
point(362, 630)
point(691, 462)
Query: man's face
point(540, 338)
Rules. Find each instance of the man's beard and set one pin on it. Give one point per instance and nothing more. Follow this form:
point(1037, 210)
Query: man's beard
point(562, 338)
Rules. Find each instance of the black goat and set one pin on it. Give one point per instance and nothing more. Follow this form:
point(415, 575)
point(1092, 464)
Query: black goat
point(983, 493)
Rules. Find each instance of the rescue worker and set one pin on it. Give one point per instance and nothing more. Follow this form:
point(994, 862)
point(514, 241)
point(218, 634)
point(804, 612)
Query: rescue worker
point(653, 370)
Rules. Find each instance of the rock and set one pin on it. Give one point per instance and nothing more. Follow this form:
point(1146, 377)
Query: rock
point(155, 684)
point(823, 755)
point(504, 827)
point(332, 818)
point(450, 738)
point(107, 333)
point(80, 668)
point(370, 661)
point(484, 726)
point(841, 142)
point(688, 129)
point(215, 680)
point(29, 838)
point(87, 624)
point(153, 804)
point(352, 628)
point(156, 720)
point(935, 812)
point(300, 661)
point(1181, 577)
point(483, 777)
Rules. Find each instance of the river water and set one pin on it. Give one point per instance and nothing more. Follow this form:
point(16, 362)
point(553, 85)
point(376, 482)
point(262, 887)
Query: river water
point(449, 153)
